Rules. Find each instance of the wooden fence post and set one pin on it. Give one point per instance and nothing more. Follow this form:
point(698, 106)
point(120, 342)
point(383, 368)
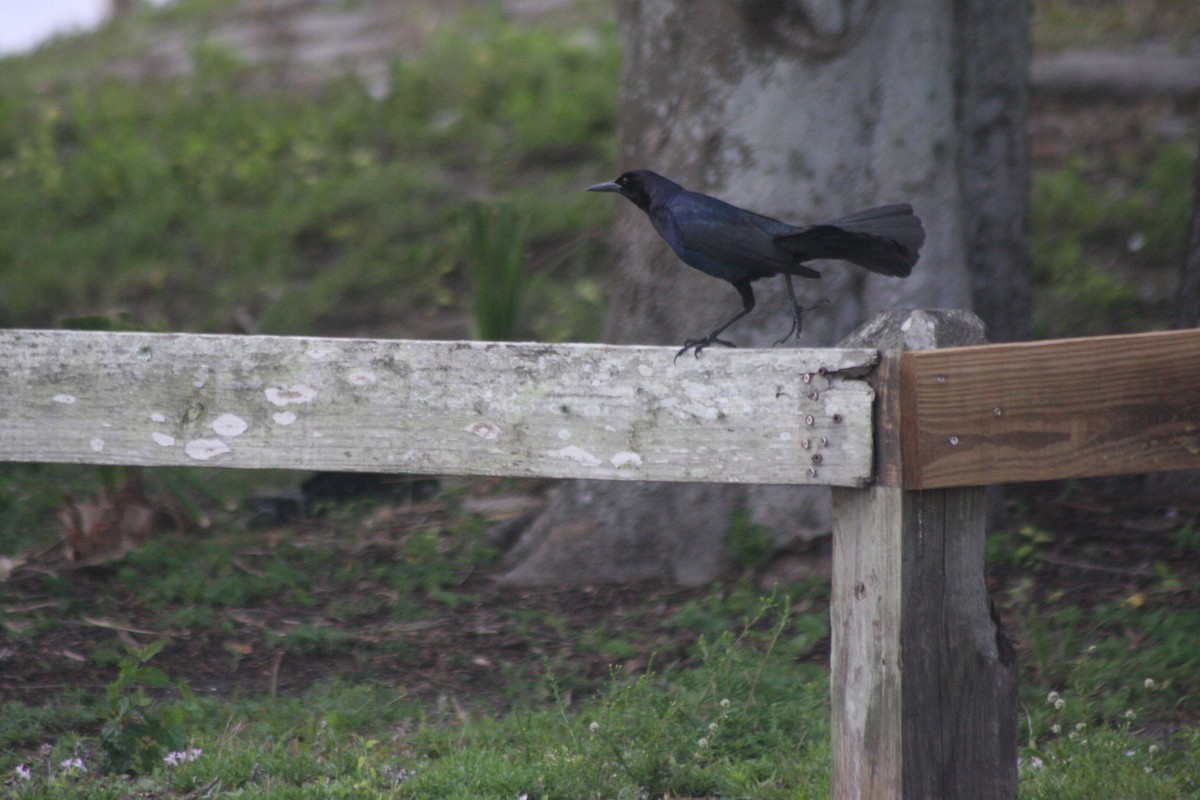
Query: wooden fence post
point(924, 684)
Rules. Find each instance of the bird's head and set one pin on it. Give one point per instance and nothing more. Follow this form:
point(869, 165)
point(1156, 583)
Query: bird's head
point(641, 187)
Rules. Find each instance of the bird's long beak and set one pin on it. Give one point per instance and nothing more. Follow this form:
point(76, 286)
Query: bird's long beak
point(609, 186)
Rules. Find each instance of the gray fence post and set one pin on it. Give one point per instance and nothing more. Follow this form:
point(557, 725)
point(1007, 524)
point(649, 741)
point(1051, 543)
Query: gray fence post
point(924, 698)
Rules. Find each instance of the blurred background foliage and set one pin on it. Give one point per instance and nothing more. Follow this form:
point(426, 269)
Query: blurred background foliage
point(222, 192)
point(209, 202)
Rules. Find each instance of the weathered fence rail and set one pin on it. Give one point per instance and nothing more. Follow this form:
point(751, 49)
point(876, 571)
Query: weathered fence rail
point(906, 431)
point(462, 408)
point(1105, 405)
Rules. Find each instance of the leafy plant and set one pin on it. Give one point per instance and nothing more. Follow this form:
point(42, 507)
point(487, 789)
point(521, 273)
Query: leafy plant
point(138, 731)
point(496, 254)
point(1020, 548)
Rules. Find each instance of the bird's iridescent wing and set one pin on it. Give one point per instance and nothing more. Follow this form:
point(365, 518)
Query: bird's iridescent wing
point(726, 241)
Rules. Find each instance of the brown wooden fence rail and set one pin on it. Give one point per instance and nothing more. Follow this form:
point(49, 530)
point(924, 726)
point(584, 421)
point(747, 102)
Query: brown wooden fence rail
point(908, 420)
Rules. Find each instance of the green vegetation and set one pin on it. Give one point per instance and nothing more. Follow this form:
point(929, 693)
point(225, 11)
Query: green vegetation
point(743, 718)
point(138, 732)
point(1108, 684)
point(1082, 740)
point(497, 251)
point(1098, 246)
point(666, 701)
point(1059, 24)
point(732, 715)
point(196, 203)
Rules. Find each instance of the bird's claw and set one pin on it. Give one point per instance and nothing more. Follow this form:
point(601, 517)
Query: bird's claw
point(797, 326)
point(794, 331)
point(696, 345)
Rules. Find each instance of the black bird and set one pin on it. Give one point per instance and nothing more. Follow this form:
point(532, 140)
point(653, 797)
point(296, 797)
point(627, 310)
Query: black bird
point(740, 246)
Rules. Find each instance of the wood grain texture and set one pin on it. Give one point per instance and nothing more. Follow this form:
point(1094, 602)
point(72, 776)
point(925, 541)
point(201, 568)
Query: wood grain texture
point(1105, 405)
point(865, 661)
point(456, 408)
point(923, 681)
point(896, 332)
point(959, 671)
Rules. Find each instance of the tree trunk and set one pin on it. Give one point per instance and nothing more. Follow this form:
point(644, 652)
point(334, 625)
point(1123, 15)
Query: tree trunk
point(803, 110)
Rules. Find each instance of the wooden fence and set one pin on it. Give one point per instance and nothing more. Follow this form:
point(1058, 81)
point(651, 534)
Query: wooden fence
point(908, 420)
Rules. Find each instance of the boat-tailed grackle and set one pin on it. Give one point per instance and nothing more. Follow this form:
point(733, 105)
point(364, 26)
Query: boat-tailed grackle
point(740, 246)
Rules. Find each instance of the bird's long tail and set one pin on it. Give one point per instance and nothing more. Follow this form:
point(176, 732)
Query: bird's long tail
point(886, 240)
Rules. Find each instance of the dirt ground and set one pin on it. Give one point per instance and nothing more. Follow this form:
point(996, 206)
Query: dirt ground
point(1107, 536)
point(458, 653)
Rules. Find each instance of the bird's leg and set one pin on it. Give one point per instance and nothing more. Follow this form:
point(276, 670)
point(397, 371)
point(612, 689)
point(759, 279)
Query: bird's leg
point(696, 345)
point(797, 310)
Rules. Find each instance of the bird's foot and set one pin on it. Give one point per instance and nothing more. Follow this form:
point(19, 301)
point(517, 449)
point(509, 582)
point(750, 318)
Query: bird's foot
point(696, 345)
point(793, 331)
point(797, 324)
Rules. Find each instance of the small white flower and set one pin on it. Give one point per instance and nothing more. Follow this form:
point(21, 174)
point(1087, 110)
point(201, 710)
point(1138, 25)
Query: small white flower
point(1056, 728)
point(1130, 713)
point(1060, 704)
point(594, 727)
point(1153, 749)
point(703, 743)
point(725, 703)
point(1036, 763)
point(1130, 753)
point(1149, 683)
point(1052, 698)
point(1081, 726)
point(398, 774)
point(712, 727)
point(182, 756)
point(72, 765)
point(23, 772)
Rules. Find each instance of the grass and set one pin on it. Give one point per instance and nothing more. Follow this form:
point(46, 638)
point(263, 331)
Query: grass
point(740, 718)
point(724, 693)
point(1061, 24)
point(496, 248)
point(724, 696)
point(1099, 247)
point(195, 203)
point(739, 715)
point(1109, 662)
